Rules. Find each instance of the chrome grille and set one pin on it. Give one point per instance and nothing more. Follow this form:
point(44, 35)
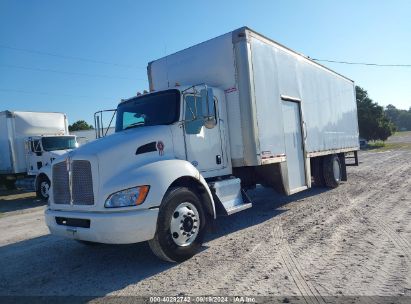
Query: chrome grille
point(61, 189)
point(82, 183)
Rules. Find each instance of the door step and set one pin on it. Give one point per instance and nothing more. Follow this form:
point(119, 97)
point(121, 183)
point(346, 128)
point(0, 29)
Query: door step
point(230, 196)
point(238, 208)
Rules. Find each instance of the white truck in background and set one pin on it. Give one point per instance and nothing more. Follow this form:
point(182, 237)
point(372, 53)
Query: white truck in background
point(29, 142)
point(221, 116)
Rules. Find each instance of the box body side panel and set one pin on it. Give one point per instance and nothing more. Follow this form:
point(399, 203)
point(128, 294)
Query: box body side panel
point(328, 104)
point(267, 96)
point(210, 62)
point(222, 64)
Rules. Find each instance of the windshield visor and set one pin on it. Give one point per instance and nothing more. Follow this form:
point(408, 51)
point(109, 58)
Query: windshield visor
point(154, 109)
point(54, 143)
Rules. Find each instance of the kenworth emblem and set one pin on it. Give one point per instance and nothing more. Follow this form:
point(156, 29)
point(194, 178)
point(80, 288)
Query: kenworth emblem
point(160, 148)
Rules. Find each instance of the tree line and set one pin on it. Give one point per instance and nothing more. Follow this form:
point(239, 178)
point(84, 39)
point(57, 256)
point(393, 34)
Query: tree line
point(80, 125)
point(377, 123)
point(400, 118)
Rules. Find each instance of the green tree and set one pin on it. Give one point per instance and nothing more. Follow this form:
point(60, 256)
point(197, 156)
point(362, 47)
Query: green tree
point(372, 122)
point(80, 125)
point(400, 118)
point(392, 113)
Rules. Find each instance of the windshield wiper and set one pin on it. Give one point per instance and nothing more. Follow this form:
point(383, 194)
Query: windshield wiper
point(134, 125)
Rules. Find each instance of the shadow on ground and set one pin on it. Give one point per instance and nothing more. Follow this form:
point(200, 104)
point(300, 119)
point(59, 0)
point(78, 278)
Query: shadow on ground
point(15, 200)
point(50, 265)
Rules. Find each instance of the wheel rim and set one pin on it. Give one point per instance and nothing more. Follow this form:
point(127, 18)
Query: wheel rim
point(184, 224)
point(44, 189)
point(336, 170)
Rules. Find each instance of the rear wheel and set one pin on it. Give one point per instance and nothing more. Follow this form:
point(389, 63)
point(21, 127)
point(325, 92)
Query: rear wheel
point(332, 171)
point(10, 184)
point(180, 226)
point(43, 188)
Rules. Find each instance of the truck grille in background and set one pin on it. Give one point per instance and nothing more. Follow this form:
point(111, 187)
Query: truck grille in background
point(82, 183)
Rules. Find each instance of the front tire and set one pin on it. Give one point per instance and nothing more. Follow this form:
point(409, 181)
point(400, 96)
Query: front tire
point(332, 171)
point(43, 188)
point(180, 226)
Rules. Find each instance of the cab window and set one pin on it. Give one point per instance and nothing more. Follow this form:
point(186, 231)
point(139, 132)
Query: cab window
point(35, 145)
point(194, 116)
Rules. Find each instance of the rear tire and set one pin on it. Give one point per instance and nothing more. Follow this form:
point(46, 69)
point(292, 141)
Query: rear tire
point(332, 171)
point(181, 226)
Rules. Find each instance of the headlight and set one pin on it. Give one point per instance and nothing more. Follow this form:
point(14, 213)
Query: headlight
point(129, 197)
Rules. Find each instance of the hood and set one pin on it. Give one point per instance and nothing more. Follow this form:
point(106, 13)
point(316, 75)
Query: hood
point(117, 153)
point(58, 153)
point(126, 144)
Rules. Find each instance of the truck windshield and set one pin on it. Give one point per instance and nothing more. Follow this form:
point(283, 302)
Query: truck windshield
point(53, 143)
point(162, 108)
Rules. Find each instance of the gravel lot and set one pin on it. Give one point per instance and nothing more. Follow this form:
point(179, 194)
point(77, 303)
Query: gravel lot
point(354, 241)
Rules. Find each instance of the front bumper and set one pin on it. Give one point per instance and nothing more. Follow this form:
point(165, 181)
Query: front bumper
point(109, 228)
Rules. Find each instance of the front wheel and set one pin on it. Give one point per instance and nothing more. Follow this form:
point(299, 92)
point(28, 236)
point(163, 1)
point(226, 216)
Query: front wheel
point(43, 188)
point(180, 226)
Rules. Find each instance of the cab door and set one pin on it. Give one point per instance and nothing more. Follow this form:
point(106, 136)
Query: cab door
point(34, 154)
point(203, 145)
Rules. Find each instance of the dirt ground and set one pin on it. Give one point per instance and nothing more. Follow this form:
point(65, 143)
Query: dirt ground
point(351, 241)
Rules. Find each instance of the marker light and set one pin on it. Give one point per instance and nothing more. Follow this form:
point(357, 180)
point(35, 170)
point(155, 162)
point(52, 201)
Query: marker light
point(128, 197)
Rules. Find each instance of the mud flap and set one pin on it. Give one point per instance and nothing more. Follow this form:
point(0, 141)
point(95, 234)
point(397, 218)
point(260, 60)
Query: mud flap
point(341, 156)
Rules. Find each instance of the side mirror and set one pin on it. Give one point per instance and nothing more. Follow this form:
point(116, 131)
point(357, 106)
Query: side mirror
point(208, 107)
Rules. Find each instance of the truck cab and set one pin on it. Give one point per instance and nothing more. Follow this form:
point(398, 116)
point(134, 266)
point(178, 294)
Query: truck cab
point(40, 152)
point(167, 147)
point(196, 117)
point(43, 150)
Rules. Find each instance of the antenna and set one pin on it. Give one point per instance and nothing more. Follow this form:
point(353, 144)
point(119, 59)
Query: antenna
point(165, 54)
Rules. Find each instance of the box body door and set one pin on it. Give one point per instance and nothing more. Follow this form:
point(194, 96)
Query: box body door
point(294, 146)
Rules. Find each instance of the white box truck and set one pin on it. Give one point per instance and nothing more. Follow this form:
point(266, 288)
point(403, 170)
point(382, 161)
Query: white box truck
point(221, 116)
point(29, 142)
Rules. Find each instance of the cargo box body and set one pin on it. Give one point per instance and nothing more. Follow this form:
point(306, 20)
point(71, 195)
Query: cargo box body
point(257, 74)
point(16, 127)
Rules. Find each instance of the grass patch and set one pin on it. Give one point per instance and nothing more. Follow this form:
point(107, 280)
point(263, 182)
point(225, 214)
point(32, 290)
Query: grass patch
point(401, 133)
point(389, 146)
point(376, 144)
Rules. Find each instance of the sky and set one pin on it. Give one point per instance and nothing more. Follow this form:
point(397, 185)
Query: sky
point(81, 56)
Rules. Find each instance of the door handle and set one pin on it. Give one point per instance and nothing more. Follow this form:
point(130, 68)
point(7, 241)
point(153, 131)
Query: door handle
point(305, 130)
